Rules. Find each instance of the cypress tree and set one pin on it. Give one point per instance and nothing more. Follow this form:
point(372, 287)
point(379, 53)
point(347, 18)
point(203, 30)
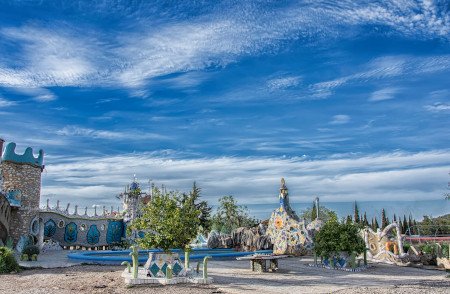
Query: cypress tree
point(384, 220)
point(395, 218)
point(376, 224)
point(365, 221)
point(405, 225)
point(356, 214)
point(410, 225)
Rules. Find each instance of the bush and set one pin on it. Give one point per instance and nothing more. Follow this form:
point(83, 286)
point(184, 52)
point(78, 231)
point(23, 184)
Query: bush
point(168, 221)
point(8, 262)
point(335, 237)
point(30, 250)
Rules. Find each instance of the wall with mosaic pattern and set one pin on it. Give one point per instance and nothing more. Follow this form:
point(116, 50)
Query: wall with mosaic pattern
point(71, 230)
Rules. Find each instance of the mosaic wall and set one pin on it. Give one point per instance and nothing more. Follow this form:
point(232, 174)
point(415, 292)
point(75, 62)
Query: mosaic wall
point(287, 233)
point(70, 230)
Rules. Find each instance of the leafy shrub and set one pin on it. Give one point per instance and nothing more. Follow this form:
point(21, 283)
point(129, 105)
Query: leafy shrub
point(406, 247)
point(445, 249)
point(8, 262)
point(30, 250)
point(335, 237)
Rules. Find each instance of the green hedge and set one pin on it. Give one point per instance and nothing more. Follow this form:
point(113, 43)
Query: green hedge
point(8, 262)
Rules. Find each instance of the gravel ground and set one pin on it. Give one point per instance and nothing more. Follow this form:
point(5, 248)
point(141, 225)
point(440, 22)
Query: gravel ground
point(294, 276)
point(84, 279)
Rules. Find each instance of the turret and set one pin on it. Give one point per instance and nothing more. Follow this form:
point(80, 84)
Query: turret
point(21, 175)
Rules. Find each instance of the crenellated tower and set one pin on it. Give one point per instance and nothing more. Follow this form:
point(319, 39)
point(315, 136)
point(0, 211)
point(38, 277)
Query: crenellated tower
point(21, 183)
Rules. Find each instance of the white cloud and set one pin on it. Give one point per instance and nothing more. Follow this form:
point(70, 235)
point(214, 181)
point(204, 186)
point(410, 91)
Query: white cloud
point(284, 82)
point(383, 68)
point(340, 119)
point(63, 55)
point(384, 176)
point(76, 131)
point(384, 94)
point(49, 57)
point(6, 103)
point(38, 94)
point(438, 107)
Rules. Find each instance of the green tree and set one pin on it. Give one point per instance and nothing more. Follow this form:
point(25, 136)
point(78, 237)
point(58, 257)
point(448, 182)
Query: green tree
point(202, 206)
point(324, 213)
point(365, 221)
point(356, 214)
point(167, 221)
point(377, 226)
point(335, 237)
point(384, 220)
point(230, 216)
point(405, 225)
point(349, 219)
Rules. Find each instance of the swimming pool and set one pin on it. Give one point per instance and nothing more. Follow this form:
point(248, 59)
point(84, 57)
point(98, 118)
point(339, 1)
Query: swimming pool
point(117, 257)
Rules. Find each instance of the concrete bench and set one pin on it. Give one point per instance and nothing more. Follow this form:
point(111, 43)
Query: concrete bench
point(258, 263)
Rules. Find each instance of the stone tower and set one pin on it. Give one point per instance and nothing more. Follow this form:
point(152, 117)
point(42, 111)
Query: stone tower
point(21, 176)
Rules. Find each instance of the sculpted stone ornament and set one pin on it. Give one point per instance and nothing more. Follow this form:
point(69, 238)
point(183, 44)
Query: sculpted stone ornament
point(287, 232)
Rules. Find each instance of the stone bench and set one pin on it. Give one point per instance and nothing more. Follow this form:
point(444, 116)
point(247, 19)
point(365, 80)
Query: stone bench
point(258, 263)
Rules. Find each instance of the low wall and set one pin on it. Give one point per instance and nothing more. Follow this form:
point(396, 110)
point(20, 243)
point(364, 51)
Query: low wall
point(86, 231)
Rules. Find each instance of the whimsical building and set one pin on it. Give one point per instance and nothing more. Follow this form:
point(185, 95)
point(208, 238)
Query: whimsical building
point(20, 215)
point(287, 232)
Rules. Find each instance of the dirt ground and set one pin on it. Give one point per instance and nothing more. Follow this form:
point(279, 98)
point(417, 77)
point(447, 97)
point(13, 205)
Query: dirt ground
point(84, 279)
point(294, 276)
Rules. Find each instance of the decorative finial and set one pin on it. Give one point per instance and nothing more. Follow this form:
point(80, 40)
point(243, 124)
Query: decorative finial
point(48, 203)
point(95, 210)
point(57, 204)
point(67, 208)
point(76, 210)
point(85, 210)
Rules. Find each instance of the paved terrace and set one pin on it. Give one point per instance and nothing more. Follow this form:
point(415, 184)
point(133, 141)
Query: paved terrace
point(231, 276)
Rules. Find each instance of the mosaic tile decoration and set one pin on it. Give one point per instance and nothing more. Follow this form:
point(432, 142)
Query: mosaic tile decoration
point(157, 263)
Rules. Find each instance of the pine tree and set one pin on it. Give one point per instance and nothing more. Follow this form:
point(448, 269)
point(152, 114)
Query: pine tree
point(314, 212)
point(395, 218)
point(356, 214)
point(365, 222)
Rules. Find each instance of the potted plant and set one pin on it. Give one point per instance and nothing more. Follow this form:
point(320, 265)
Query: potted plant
point(336, 242)
point(168, 222)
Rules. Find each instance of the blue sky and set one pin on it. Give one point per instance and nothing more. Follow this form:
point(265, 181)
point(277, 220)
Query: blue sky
point(346, 101)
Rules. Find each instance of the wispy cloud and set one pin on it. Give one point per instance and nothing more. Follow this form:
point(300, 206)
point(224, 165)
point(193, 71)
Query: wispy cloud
point(384, 94)
point(60, 54)
point(283, 82)
point(5, 103)
point(438, 107)
point(340, 119)
point(384, 176)
point(76, 131)
point(386, 67)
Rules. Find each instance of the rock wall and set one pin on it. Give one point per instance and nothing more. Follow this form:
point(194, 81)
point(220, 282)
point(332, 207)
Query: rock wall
point(25, 179)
